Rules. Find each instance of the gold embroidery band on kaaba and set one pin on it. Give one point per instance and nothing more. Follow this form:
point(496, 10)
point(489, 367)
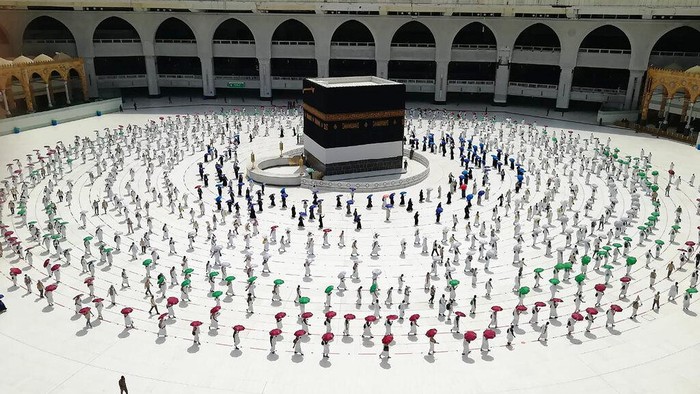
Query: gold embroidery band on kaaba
point(354, 115)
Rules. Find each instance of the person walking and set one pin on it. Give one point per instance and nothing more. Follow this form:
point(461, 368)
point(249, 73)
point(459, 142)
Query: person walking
point(122, 381)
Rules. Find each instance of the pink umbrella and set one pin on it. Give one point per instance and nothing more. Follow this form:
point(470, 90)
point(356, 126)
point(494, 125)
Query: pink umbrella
point(15, 271)
point(470, 335)
point(392, 317)
point(462, 314)
point(172, 300)
point(616, 308)
point(215, 309)
point(370, 318)
point(126, 311)
point(591, 311)
point(299, 333)
point(327, 230)
point(238, 328)
point(625, 279)
point(556, 300)
point(387, 339)
point(540, 304)
point(414, 317)
point(55, 267)
point(496, 308)
point(577, 316)
point(275, 332)
point(84, 310)
point(349, 316)
point(600, 287)
point(431, 333)
point(196, 323)
point(521, 308)
point(96, 300)
point(88, 280)
point(280, 315)
point(489, 334)
point(690, 243)
point(327, 336)
point(51, 287)
point(162, 316)
point(330, 314)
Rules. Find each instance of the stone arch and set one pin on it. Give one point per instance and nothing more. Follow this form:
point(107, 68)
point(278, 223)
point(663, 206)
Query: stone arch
point(413, 30)
point(484, 35)
point(46, 27)
point(299, 29)
point(240, 29)
point(614, 37)
point(119, 23)
point(172, 24)
point(538, 34)
point(339, 32)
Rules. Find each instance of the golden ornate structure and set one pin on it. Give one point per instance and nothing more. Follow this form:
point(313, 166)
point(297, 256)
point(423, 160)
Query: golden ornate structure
point(672, 82)
point(22, 72)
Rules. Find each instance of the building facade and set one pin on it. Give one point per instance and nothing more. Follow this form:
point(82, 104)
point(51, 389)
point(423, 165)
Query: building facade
point(541, 49)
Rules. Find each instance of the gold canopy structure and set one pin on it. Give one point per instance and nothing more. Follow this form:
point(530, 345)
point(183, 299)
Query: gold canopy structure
point(672, 82)
point(28, 78)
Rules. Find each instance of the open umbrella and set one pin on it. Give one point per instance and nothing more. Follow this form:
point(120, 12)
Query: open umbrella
point(278, 282)
point(280, 315)
point(520, 308)
point(126, 311)
point(591, 311)
point(523, 290)
point(55, 267)
point(691, 290)
point(599, 287)
point(462, 314)
point(540, 304)
point(373, 288)
point(186, 283)
point(330, 314)
point(608, 267)
point(162, 316)
point(616, 308)
point(690, 243)
point(387, 339)
point(392, 317)
point(188, 271)
point(370, 318)
point(84, 310)
point(454, 282)
point(659, 242)
point(556, 300)
point(349, 316)
point(96, 300)
point(173, 300)
point(214, 309)
point(230, 278)
point(414, 317)
point(625, 279)
point(252, 279)
point(431, 333)
point(306, 315)
point(585, 260)
point(148, 262)
point(213, 274)
point(539, 270)
point(88, 280)
point(554, 281)
point(577, 316)
point(496, 308)
point(304, 300)
point(470, 336)
point(327, 336)
point(51, 287)
point(329, 289)
point(275, 332)
point(299, 333)
point(217, 294)
point(631, 260)
point(580, 278)
point(489, 334)
point(238, 328)
point(196, 323)
point(15, 271)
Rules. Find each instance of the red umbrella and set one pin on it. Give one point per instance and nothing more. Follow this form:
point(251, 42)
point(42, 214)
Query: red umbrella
point(88, 280)
point(275, 332)
point(470, 335)
point(327, 336)
point(55, 267)
point(556, 300)
point(591, 311)
point(370, 318)
point(349, 316)
point(273, 227)
point(461, 314)
point(84, 310)
point(392, 317)
point(51, 287)
point(625, 279)
point(327, 230)
point(387, 339)
point(521, 308)
point(126, 311)
point(616, 308)
point(196, 323)
point(215, 309)
point(414, 317)
point(330, 314)
point(600, 287)
point(299, 333)
point(463, 186)
point(8, 233)
point(96, 300)
point(238, 328)
point(577, 316)
point(306, 315)
point(540, 304)
point(198, 187)
point(690, 243)
point(280, 315)
point(15, 271)
point(496, 308)
point(431, 333)
point(46, 263)
point(162, 316)
point(172, 300)
point(489, 334)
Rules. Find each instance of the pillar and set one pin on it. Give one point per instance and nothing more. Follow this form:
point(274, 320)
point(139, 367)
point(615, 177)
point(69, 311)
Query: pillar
point(152, 76)
point(322, 64)
point(441, 81)
point(89, 63)
point(28, 94)
point(265, 78)
point(566, 76)
point(48, 95)
point(67, 91)
point(4, 100)
point(500, 95)
point(662, 106)
point(383, 68)
point(634, 85)
point(208, 76)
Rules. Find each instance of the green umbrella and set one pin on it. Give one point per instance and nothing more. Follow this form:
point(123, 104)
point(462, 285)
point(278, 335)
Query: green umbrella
point(585, 260)
point(188, 271)
point(656, 214)
point(631, 260)
point(656, 204)
point(580, 278)
point(654, 173)
point(147, 262)
point(185, 283)
point(213, 274)
point(88, 238)
point(252, 279)
point(46, 235)
point(33, 222)
point(608, 267)
point(628, 239)
point(161, 280)
point(63, 223)
point(108, 250)
point(655, 188)
point(659, 242)
point(304, 300)
point(691, 290)
point(602, 253)
point(328, 290)
point(373, 288)
point(454, 282)
point(554, 281)
point(56, 236)
point(649, 224)
point(642, 228)
point(278, 282)
point(523, 290)
point(230, 278)
point(568, 266)
point(217, 294)
point(676, 227)
point(606, 248)
point(617, 245)
point(559, 266)
point(22, 212)
point(652, 218)
point(539, 270)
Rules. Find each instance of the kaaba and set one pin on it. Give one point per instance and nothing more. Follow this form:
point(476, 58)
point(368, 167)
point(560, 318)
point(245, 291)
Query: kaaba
point(353, 124)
